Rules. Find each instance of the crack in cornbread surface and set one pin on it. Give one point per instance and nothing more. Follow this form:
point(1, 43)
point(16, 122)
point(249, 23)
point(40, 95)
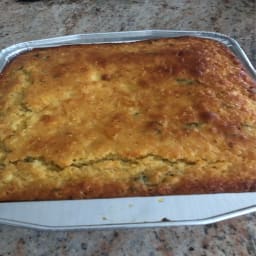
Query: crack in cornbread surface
point(168, 116)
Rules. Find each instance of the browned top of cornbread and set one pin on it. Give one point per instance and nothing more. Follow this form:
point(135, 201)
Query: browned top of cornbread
point(168, 116)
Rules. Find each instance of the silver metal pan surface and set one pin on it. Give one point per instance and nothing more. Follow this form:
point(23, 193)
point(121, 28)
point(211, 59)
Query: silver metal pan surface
point(126, 212)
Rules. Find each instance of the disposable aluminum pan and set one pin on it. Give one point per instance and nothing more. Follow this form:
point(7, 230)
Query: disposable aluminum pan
point(131, 211)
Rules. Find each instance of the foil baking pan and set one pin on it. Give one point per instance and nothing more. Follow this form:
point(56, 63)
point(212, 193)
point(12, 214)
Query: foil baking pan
point(156, 211)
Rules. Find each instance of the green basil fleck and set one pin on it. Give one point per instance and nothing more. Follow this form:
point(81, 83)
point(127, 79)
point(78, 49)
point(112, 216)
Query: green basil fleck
point(142, 178)
point(248, 126)
point(184, 81)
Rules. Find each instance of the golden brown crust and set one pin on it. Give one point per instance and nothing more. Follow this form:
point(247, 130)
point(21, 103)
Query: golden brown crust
point(168, 116)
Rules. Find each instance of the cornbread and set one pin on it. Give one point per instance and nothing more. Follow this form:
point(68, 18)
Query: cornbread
point(160, 117)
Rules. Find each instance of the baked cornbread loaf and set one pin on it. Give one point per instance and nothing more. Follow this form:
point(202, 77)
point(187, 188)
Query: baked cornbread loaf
point(167, 116)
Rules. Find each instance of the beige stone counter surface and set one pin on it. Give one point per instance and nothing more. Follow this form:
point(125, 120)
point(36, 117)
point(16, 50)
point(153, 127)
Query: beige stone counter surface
point(27, 20)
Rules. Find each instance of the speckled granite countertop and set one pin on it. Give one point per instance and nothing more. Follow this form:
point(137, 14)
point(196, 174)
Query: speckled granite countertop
point(27, 20)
